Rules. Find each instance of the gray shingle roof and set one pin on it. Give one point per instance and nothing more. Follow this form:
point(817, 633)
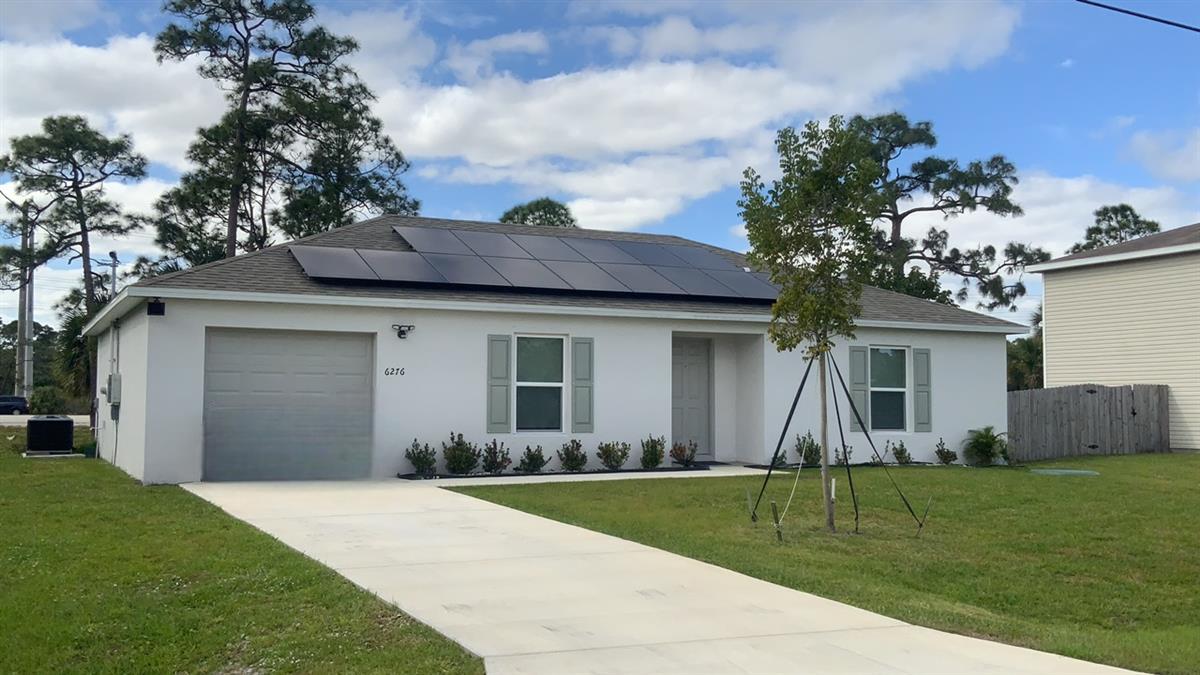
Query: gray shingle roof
point(1188, 234)
point(274, 270)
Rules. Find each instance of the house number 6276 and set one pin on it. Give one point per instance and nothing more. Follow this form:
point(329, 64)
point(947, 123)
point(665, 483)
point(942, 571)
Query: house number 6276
point(388, 372)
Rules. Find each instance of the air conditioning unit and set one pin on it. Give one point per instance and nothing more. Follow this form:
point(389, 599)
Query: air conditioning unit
point(49, 435)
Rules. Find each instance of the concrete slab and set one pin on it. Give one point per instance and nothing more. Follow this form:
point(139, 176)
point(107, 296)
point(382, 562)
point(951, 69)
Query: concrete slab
point(532, 595)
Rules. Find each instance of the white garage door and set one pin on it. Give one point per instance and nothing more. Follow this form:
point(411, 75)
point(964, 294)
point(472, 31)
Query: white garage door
point(286, 405)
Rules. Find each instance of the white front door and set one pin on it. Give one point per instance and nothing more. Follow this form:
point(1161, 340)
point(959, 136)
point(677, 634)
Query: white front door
point(691, 394)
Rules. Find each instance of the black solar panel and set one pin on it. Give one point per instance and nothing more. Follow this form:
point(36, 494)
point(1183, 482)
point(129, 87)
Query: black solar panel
point(432, 240)
point(698, 257)
point(600, 251)
point(401, 266)
point(745, 284)
point(547, 248)
point(696, 282)
point(491, 244)
point(527, 273)
point(585, 276)
point(465, 269)
point(641, 279)
point(650, 254)
point(327, 262)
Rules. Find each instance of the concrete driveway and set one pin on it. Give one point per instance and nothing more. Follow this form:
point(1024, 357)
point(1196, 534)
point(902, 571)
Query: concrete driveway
point(531, 595)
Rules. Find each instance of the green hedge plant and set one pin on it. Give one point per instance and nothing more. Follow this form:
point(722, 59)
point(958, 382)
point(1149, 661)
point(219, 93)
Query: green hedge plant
point(808, 449)
point(945, 455)
point(461, 457)
point(572, 456)
point(900, 452)
point(495, 458)
point(533, 460)
point(653, 451)
point(422, 457)
point(684, 455)
point(613, 455)
point(984, 446)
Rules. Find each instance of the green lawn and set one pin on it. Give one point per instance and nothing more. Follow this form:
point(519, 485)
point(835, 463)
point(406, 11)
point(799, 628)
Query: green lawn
point(1104, 568)
point(101, 574)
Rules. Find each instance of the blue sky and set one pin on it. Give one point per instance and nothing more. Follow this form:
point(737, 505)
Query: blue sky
point(643, 115)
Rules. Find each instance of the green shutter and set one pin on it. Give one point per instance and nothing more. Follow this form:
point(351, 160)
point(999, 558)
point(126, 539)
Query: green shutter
point(582, 374)
point(922, 392)
point(860, 388)
point(499, 384)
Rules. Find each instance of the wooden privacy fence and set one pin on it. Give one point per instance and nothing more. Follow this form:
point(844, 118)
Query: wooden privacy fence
point(1087, 419)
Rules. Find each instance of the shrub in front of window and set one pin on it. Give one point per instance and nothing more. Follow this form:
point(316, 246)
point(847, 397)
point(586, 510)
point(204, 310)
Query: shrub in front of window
point(422, 457)
point(572, 456)
point(945, 455)
point(808, 449)
point(842, 458)
point(495, 458)
point(901, 453)
point(532, 461)
point(984, 446)
point(684, 455)
point(461, 457)
point(613, 455)
point(653, 451)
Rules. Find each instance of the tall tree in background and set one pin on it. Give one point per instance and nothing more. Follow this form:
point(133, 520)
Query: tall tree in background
point(942, 186)
point(1114, 224)
point(70, 161)
point(544, 211)
point(1025, 357)
point(811, 231)
point(297, 150)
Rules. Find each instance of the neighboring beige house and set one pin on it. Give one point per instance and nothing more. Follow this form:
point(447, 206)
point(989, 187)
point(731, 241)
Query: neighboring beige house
point(1129, 314)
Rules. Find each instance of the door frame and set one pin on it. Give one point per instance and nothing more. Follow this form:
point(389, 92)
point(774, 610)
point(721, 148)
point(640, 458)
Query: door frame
point(709, 454)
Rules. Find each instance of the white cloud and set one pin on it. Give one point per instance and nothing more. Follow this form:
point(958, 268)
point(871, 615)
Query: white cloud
point(392, 47)
point(1170, 155)
point(118, 86)
point(476, 59)
point(33, 20)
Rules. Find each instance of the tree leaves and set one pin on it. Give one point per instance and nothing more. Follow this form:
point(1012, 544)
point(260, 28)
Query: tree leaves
point(1114, 224)
point(545, 211)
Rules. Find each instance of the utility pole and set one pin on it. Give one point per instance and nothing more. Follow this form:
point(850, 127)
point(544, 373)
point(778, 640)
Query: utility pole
point(27, 364)
point(22, 319)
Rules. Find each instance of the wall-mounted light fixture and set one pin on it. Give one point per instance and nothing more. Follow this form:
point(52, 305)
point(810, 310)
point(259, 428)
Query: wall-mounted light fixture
point(402, 330)
point(156, 307)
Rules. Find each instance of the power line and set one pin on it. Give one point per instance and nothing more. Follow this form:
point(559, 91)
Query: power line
point(1139, 15)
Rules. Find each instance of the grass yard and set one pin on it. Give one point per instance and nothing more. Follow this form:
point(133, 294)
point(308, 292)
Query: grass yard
point(1103, 568)
point(101, 574)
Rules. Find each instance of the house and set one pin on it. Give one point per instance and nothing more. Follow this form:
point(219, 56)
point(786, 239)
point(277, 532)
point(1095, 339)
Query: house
point(1129, 314)
point(327, 356)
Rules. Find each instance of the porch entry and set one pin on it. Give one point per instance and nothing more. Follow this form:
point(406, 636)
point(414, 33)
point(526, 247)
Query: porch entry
point(691, 394)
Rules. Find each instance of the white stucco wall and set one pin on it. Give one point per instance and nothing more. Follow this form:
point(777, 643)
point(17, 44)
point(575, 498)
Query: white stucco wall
point(443, 388)
point(123, 348)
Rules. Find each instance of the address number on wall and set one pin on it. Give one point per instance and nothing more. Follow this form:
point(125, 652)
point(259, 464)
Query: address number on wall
point(389, 372)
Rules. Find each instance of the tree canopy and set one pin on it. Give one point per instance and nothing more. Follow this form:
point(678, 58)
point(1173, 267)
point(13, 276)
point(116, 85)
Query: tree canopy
point(544, 211)
point(1114, 224)
point(911, 183)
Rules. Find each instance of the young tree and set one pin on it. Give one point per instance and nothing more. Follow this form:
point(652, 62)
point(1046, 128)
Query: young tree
point(70, 162)
point(544, 211)
point(1114, 224)
point(811, 231)
point(943, 186)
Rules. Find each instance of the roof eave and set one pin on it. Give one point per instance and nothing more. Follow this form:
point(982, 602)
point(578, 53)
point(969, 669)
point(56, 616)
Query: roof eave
point(1062, 264)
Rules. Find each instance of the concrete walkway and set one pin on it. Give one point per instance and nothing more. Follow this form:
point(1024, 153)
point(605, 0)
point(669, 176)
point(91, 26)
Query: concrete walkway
point(531, 595)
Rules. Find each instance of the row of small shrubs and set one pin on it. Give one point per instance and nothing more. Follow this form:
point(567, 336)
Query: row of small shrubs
point(463, 457)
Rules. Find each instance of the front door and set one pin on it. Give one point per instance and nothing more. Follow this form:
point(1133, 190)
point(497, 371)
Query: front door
point(691, 397)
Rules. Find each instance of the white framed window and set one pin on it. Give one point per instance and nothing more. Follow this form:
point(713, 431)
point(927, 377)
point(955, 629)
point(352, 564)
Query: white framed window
point(540, 361)
point(888, 377)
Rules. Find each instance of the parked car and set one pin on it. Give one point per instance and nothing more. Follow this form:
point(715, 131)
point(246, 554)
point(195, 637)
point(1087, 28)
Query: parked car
point(14, 405)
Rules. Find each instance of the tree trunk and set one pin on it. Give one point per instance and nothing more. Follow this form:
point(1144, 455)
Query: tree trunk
point(239, 175)
point(85, 252)
point(826, 478)
point(895, 240)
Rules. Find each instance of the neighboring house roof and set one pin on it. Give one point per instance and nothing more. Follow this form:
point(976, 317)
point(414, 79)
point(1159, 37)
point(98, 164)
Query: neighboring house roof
point(275, 271)
point(1179, 240)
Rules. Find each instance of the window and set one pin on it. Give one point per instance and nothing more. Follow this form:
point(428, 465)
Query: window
point(889, 387)
point(539, 383)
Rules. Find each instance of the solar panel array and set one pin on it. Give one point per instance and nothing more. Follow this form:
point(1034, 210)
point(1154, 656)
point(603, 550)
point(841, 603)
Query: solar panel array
point(540, 262)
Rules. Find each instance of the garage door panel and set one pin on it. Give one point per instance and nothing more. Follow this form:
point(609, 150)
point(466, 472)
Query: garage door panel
point(287, 405)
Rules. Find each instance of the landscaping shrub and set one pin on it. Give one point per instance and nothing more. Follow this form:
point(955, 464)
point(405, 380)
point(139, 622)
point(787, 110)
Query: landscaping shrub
point(495, 458)
point(984, 446)
point(945, 455)
point(841, 458)
point(808, 449)
point(572, 456)
point(653, 451)
point(901, 453)
point(684, 455)
point(613, 455)
point(423, 458)
point(461, 456)
point(47, 401)
point(780, 461)
point(532, 461)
